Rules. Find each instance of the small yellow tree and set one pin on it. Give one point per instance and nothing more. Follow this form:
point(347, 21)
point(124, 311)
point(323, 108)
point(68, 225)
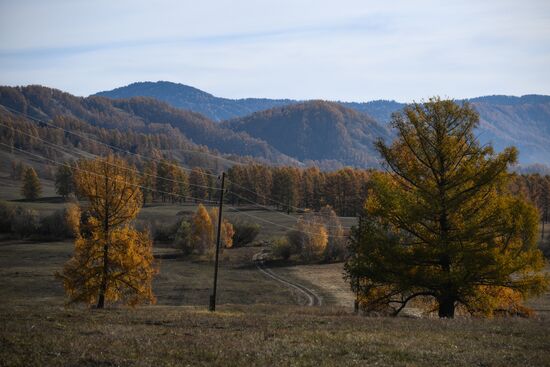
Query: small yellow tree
point(203, 230)
point(227, 230)
point(310, 238)
point(113, 261)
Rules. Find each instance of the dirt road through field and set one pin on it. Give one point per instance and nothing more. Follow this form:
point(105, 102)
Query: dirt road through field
point(312, 298)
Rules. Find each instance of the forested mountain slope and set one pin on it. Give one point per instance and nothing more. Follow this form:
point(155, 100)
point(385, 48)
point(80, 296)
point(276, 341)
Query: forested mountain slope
point(505, 120)
point(316, 131)
point(137, 115)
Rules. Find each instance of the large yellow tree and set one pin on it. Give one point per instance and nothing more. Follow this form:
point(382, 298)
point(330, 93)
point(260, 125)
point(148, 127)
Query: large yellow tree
point(440, 225)
point(112, 261)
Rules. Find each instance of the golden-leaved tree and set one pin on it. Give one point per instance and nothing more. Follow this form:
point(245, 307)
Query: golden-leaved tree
point(441, 225)
point(204, 230)
point(309, 238)
point(112, 261)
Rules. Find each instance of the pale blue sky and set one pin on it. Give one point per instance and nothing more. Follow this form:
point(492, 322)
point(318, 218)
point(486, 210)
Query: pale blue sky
point(337, 50)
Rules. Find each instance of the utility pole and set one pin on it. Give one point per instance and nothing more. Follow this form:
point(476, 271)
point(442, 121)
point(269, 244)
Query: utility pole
point(212, 306)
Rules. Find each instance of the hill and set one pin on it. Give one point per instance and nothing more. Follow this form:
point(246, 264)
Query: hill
point(316, 131)
point(136, 115)
point(323, 133)
point(505, 120)
point(189, 98)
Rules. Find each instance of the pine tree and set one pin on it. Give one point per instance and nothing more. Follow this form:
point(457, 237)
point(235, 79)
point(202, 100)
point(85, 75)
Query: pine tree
point(442, 224)
point(199, 184)
point(112, 261)
point(31, 188)
point(64, 181)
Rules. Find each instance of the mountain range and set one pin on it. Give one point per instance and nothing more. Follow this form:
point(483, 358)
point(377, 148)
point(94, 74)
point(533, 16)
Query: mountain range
point(283, 131)
point(504, 120)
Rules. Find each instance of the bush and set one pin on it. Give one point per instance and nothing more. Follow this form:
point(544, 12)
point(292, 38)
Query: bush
point(61, 224)
point(164, 232)
point(309, 239)
point(25, 222)
point(245, 233)
point(336, 249)
point(183, 237)
point(282, 248)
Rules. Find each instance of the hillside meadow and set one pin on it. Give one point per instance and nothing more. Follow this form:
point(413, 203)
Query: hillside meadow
point(258, 322)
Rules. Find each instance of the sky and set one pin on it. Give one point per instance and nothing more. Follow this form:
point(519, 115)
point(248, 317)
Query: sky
point(334, 50)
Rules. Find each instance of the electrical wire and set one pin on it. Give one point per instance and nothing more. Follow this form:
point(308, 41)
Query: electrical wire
point(158, 191)
point(158, 161)
point(100, 175)
point(98, 141)
point(278, 212)
point(111, 164)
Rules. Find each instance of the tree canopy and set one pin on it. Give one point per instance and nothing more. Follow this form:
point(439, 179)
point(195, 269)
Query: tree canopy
point(112, 261)
point(441, 224)
point(31, 188)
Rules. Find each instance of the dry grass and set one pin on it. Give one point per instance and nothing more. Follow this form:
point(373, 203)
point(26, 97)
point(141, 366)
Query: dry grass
point(36, 330)
point(260, 336)
point(257, 323)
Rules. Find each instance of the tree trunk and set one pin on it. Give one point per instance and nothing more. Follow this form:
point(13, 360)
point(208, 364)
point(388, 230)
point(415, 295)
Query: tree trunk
point(103, 286)
point(446, 307)
point(104, 273)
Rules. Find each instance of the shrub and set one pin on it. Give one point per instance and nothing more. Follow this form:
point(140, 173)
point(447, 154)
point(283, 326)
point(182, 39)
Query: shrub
point(336, 245)
point(63, 223)
point(309, 239)
point(245, 233)
point(25, 222)
point(282, 248)
point(183, 237)
point(163, 232)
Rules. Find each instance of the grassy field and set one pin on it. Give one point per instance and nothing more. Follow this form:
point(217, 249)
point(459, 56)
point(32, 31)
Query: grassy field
point(259, 321)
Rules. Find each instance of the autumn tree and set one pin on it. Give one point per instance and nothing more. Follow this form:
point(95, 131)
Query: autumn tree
point(171, 181)
point(227, 230)
point(148, 182)
point(203, 230)
point(336, 242)
point(285, 190)
point(441, 224)
point(112, 261)
point(183, 238)
point(309, 238)
point(31, 187)
point(198, 182)
point(64, 181)
point(544, 203)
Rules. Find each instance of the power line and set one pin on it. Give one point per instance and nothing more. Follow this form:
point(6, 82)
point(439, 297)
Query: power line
point(68, 151)
point(139, 155)
point(99, 141)
point(279, 225)
point(95, 155)
point(278, 212)
point(100, 175)
point(158, 161)
point(155, 190)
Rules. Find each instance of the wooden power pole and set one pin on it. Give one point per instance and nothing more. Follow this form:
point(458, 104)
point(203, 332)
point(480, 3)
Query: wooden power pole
point(212, 306)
